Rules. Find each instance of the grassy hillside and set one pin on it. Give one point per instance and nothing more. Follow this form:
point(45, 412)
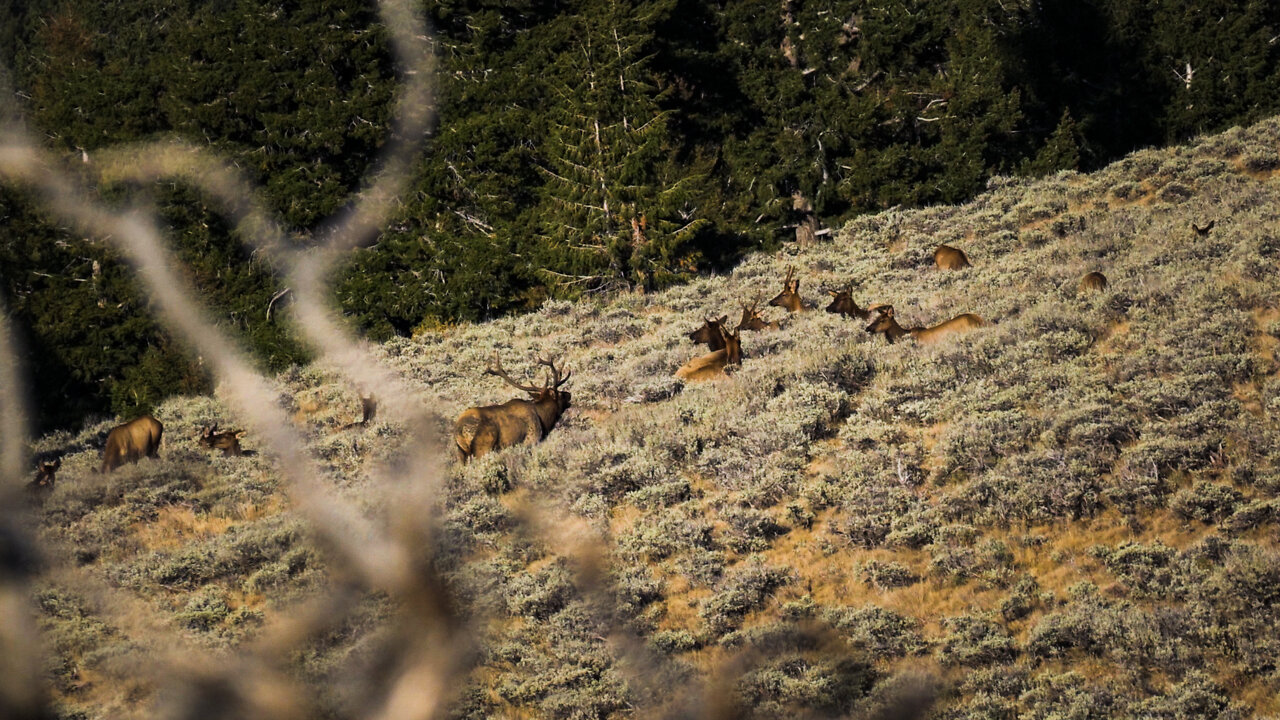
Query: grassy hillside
point(1071, 512)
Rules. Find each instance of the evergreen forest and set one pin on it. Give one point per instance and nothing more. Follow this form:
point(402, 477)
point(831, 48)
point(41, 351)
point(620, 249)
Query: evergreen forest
point(579, 146)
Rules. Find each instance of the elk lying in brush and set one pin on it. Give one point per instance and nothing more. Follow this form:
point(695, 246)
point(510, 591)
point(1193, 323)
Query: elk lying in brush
point(131, 441)
point(712, 365)
point(789, 298)
point(228, 441)
point(479, 430)
point(1093, 282)
point(751, 319)
point(842, 304)
point(43, 482)
point(885, 323)
point(949, 258)
point(711, 333)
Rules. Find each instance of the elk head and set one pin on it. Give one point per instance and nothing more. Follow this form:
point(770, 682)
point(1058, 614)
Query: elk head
point(228, 442)
point(549, 393)
point(751, 319)
point(842, 304)
point(733, 347)
point(44, 479)
point(711, 333)
point(789, 298)
point(884, 322)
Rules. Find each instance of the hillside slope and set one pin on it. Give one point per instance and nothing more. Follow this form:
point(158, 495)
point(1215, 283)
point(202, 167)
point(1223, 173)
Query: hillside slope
point(1069, 512)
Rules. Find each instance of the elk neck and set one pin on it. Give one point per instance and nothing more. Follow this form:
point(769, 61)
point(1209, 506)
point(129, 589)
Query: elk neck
point(549, 409)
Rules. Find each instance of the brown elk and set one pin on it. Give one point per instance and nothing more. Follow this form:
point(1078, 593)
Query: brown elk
point(712, 365)
point(43, 482)
point(131, 441)
point(1093, 282)
point(885, 323)
point(950, 258)
point(368, 410)
point(842, 304)
point(228, 441)
point(789, 298)
point(751, 319)
point(711, 333)
point(1203, 231)
point(480, 430)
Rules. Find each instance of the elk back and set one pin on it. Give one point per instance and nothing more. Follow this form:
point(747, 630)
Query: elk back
point(949, 258)
point(131, 441)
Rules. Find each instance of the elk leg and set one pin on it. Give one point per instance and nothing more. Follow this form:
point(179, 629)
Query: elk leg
point(485, 440)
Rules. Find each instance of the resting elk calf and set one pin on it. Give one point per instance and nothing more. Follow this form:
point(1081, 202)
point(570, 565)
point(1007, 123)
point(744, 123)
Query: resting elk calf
point(711, 333)
point(43, 482)
point(228, 442)
point(131, 441)
point(949, 258)
point(480, 430)
point(1093, 282)
point(885, 323)
point(712, 365)
point(751, 319)
point(842, 304)
point(789, 298)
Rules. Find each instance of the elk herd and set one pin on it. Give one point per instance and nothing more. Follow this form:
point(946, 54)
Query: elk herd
point(479, 430)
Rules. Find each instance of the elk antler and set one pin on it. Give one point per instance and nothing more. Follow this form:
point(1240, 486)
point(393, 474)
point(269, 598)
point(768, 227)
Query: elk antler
point(496, 369)
point(556, 380)
point(791, 271)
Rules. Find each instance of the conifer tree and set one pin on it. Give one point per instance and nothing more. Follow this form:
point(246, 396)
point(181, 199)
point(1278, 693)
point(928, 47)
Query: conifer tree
point(615, 207)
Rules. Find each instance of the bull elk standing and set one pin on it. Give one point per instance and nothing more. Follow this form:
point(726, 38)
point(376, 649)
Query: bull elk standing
point(712, 365)
point(131, 441)
point(711, 333)
point(949, 258)
point(885, 323)
point(842, 304)
point(479, 430)
point(789, 298)
point(1093, 282)
point(228, 441)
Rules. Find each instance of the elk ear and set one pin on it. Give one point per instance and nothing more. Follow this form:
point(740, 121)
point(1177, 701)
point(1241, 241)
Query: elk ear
point(55, 464)
point(723, 319)
point(240, 434)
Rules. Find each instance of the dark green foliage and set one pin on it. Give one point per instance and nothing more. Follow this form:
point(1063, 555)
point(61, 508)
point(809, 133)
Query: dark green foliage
point(581, 145)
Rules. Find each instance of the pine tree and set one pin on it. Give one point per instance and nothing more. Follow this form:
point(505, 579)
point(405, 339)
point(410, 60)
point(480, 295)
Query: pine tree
point(615, 209)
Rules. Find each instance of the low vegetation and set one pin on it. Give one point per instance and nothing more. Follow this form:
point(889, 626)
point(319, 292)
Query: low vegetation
point(1070, 511)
